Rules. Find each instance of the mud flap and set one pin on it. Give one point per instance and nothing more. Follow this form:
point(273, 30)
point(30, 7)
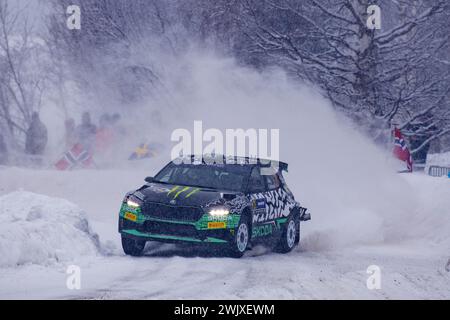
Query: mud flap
point(304, 216)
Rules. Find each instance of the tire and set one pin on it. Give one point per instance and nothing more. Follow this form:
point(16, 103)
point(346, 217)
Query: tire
point(290, 236)
point(133, 247)
point(241, 239)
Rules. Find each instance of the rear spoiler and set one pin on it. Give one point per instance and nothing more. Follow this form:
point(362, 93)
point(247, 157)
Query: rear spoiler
point(264, 163)
point(282, 166)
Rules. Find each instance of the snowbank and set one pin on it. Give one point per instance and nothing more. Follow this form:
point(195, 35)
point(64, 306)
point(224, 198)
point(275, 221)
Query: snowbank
point(36, 229)
point(439, 159)
point(430, 220)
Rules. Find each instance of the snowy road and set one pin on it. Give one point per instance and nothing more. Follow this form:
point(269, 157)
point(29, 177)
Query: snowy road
point(299, 275)
point(410, 267)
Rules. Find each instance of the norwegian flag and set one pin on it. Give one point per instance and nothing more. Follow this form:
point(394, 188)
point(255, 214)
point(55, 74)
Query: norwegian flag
point(401, 150)
point(77, 156)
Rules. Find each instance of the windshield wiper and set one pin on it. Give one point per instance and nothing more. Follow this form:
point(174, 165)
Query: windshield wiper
point(163, 182)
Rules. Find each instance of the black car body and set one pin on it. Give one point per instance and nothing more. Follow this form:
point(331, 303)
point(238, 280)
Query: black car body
point(235, 205)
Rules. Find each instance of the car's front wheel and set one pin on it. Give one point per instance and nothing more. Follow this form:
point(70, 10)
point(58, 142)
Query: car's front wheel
point(133, 247)
point(289, 237)
point(241, 239)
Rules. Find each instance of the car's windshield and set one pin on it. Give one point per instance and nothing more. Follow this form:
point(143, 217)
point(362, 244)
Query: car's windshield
point(221, 177)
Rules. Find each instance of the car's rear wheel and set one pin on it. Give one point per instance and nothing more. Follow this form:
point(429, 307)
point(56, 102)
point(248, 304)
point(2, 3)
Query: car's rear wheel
point(241, 238)
point(133, 247)
point(290, 236)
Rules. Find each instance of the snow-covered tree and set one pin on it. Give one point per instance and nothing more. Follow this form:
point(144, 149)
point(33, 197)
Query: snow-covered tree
point(21, 81)
point(395, 75)
point(115, 49)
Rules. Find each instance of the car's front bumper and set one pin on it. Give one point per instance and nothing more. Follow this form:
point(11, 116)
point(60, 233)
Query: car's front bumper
point(211, 230)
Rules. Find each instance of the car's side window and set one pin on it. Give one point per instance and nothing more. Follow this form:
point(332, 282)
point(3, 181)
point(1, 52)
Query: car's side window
point(256, 181)
point(284, 184)
point(273, 182)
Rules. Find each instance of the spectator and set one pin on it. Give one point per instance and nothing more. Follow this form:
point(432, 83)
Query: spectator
point(36, 136)
point(3, 151)
point(70, 137)
point(105, 134)
point(86, 131)
point(118, 129)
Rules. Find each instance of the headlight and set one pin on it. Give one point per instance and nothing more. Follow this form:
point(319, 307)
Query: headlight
point(132, 203)
point(219, 212)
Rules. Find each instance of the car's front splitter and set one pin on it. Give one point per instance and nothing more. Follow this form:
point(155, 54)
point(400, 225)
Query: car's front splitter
point(131, 233)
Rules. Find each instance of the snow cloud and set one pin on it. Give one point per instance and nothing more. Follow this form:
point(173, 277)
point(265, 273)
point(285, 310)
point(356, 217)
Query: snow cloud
point(348, 183)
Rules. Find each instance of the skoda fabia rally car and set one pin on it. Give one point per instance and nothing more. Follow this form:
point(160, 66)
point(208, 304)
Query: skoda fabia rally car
point(230, 206)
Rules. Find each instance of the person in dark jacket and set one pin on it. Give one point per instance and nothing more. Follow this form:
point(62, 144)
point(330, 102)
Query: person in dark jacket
point(3, 151)
point(36, 136)
point(70, 135)
point(86, 132)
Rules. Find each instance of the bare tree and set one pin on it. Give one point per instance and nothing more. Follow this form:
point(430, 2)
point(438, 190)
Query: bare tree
point(101, 57)
point(21, 85)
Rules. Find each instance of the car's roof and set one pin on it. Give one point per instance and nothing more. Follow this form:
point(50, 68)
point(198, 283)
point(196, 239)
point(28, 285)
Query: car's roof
point(233, 160)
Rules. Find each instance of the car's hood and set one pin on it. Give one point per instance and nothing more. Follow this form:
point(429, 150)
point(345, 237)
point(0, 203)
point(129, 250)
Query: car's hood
point(182, 195)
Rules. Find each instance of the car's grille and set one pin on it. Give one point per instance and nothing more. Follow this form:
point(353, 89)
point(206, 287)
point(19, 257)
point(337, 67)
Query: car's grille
point(127, 224)
point(171, 229)
point(167, 212)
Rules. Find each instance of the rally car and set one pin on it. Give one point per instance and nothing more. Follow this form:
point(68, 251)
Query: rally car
point(229, 206)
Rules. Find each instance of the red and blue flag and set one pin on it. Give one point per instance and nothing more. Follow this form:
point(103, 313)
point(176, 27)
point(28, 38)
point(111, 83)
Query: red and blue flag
point(401, 150)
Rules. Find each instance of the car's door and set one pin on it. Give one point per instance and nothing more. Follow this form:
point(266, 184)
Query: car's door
point(273, 196)
point(264, 205)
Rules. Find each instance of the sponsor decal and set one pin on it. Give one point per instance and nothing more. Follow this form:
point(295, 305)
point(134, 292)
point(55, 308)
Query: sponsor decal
point(219, 218)
point(192, 192)
point(139, 195)
point(230, 222)
point(217, 225)
point(278, 204)
point(260, 203)
point(173, 190)
point(180, 191)
point(130, 216)
point(130, 209)
point(261, 231)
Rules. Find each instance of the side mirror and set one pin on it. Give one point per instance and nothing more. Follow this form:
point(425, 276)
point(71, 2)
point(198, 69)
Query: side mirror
point(149, 179)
